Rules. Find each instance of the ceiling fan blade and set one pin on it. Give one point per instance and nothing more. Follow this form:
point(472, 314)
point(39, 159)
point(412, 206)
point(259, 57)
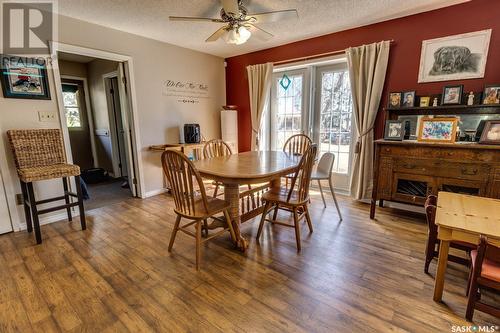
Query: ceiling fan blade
point(231, 7)
point(216, 35)
point(273, 16)
point(259, 33)
point(195, 19)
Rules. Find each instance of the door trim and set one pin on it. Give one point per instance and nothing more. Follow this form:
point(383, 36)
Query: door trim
point(134, 114)
point(89, 113)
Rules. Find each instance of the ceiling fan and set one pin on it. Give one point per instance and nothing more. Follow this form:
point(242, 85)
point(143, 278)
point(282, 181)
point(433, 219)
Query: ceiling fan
point(239, 25)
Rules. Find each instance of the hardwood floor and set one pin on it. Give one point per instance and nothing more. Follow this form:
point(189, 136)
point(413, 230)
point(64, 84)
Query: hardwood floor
point(356, 275)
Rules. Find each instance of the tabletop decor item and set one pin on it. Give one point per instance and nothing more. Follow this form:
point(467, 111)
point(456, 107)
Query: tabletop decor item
point(452, 95)
point(491, 132)
point(394, 130)
point(425, 101)
point(492, 94)
point(408, 100)
point(24, 78)
point(394, 100)
point(457, 57)
point(437, 130)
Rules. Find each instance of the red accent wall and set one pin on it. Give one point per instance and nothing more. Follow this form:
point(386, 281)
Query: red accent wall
point(402, 73)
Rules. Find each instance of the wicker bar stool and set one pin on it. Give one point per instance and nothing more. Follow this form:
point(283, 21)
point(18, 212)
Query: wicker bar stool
point(39, 155)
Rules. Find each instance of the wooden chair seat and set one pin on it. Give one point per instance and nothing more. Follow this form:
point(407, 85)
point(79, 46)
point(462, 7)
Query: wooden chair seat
point(281, 195)
point(490, 269)
point(214, 206)
point(484, 273)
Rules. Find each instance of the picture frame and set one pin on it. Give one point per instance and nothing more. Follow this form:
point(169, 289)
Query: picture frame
point(452, 95)
point(491, 133)
point(438, 129)
point(425, 101)
point(457, 57)
point(23, 78)
point(394, 130)
point(394, 100)
point(491, 94)
point(408, 99)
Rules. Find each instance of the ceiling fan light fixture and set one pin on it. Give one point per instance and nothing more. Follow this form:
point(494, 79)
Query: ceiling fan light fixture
point(237, 36)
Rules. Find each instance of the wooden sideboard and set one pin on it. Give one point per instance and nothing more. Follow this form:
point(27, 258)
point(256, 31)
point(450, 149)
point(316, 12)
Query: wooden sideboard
point(408, 171)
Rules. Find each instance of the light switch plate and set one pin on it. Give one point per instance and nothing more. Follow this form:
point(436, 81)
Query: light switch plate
point(46, 116)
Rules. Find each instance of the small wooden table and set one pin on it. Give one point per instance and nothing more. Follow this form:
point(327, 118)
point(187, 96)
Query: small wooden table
point(246, 168)
point(463, 218)
point(185, 148)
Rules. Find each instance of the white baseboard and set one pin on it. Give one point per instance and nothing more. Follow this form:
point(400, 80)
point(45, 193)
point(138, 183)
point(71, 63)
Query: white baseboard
point(61, 216)
point(153, 193)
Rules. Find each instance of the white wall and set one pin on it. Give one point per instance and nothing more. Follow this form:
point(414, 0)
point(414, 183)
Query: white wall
point(154, 62)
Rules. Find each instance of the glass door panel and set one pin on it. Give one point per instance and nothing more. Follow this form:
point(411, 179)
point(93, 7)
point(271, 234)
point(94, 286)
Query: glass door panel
point(288, 114)
point(333, 118)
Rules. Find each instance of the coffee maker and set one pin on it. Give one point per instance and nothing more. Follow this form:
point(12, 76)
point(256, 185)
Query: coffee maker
point(192, 133)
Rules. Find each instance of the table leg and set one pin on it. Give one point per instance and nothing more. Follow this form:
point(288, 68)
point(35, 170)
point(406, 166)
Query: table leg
point(444, 248)
point(232, 195)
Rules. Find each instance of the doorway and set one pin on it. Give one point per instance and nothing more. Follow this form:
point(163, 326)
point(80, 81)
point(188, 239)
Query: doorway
point(97, 119)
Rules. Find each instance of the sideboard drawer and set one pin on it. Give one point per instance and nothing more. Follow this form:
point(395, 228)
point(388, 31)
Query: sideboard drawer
point(436, 168)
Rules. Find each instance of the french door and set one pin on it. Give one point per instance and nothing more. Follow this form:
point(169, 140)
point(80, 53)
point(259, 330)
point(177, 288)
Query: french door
point(289, 105)
point(316, 101)
point(332, 125)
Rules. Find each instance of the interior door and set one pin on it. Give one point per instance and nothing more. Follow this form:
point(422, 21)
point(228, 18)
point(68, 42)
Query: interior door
point(5, 222)
point(332, 125)
point(78, 123)
point(127, 132)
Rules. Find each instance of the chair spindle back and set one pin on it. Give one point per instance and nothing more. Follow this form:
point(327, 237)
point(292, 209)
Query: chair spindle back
point(216, 148)
point(303, 174)
point(180, 172)
point(297, 144)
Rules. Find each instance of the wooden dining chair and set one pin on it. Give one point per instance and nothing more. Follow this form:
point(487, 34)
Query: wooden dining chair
point(433, 241)
point(485, 272)
point(189, 204)
point(216, 148)
point(293, 200)
point(324, 172)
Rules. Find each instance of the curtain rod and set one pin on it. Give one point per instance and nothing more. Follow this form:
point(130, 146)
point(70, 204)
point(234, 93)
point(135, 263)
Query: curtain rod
point(320, 55)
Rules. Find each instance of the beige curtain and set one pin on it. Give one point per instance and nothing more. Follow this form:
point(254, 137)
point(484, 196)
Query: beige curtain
point(259, 86)
point(367, 68)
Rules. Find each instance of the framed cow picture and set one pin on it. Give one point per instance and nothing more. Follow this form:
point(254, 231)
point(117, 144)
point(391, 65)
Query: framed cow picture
point(457, 57)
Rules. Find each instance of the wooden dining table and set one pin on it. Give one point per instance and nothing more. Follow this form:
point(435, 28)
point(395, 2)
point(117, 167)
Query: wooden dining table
point(245, 169)
point(463, 218)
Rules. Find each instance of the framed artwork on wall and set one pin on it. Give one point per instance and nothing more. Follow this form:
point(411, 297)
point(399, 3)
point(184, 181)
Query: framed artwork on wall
point(23, 78)
point(437, 130)
point(457, 57)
